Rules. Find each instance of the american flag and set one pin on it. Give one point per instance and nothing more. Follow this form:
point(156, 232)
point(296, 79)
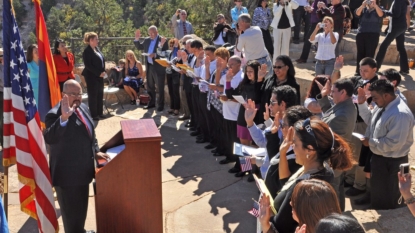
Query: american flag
point(23, 140)
point(245, 164)
point(255, 210)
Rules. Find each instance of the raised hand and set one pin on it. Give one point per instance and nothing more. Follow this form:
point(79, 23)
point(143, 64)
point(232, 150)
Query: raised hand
point(361, 96)
point(266, 113)
point(163, 40)
point(137, 34)
point(66, 108)
point(262, 72)
point(301, 229)
point(220, 64)
point(264, 212)
point(339, 62)
point(405, 184)
point(276, 124)
point(250, 112)
point(207, 61)
point(326, 89)
point(201, 55)
point(288, 141)
point(229, 75)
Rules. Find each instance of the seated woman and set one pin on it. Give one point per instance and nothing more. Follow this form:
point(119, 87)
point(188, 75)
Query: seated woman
point(311, 201)
point(313, 143)
point(327, 41)
point(133, 79)
point(338, 223)
point(311, 102)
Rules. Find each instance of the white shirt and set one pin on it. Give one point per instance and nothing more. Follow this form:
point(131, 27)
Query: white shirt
point(231, 108)
point(325, 49)
point(252, 43)
point(201, 72)
point(219, 40)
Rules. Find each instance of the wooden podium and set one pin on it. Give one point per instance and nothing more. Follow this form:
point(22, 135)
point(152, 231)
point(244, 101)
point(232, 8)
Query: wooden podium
point(128, 188)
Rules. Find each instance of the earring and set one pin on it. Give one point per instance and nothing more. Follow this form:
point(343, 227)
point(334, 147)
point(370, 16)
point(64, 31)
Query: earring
point(307, 156)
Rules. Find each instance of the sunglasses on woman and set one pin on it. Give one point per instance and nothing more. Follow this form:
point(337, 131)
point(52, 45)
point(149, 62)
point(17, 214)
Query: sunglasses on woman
point(278, 67)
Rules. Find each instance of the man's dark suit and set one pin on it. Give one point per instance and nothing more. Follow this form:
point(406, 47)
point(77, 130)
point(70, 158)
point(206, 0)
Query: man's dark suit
point(155, 73)
point(72, 153)
point(94, 66)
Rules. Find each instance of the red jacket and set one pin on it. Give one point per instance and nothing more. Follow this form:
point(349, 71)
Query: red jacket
point(63, 69)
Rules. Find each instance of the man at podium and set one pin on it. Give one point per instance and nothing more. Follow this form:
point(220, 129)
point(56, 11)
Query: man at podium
point(73, 150)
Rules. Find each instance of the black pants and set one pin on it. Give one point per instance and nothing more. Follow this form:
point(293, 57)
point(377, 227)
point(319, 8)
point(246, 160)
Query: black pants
point(195, 103)
point(307, 43)
point(73, 202)
point(218, 130)
point(397, 34)
point(266, 35)
point(299, 14)
point(204, 116)
point(384, 182)
point(187, 87)
point(366, 44)
point(155, 77)
point(173, 83)
point(95, 90)
point(337, 50)
point(230, 137)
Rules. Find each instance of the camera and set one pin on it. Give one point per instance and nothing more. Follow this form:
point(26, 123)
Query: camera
point(404, 168)
point(368, 2)
point(322, 25)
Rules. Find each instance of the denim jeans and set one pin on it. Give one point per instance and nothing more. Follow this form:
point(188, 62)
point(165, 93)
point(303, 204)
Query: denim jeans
point(325, 67)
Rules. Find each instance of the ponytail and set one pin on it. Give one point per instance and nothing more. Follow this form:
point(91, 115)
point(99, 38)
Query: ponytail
point(341, 157)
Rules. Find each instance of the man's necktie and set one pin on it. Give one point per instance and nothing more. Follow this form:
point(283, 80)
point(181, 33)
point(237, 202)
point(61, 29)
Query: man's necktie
point(83, 120)
point(184, 28)
point(378, 116)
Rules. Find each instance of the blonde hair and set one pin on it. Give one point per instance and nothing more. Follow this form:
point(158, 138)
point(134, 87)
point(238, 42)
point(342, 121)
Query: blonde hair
point(128, 61)
point(88, 36)
point(329, 19)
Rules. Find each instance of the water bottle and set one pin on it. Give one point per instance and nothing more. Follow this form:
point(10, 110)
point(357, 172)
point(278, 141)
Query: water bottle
point(137, 101)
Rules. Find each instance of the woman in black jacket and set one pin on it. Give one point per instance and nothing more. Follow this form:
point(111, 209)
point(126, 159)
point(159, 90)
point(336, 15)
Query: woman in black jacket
point(223, 32)
point(284, 74)
point(94, 73)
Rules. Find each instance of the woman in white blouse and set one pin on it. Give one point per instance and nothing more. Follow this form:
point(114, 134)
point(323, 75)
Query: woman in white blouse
point(327, 41)
point(282, 23)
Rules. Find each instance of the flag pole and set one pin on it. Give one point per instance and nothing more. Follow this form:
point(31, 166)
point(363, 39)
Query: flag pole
point(6, 191)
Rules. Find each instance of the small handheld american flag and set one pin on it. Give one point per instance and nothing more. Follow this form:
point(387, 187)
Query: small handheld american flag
point(245, 164)
point(255, 210)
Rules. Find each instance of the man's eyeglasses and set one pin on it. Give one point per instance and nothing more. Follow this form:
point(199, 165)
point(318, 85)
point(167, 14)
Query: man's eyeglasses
point(74, 95)
point(272, 103)
point(307, 127)
point(277, 67)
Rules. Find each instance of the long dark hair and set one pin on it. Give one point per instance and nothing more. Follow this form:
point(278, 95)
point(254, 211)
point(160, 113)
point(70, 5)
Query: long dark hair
point(314, 89)
point(55, 48)
point(338, 153)
point(254, 64)
point(260, 3)
point(287, 61)
point(29, 57)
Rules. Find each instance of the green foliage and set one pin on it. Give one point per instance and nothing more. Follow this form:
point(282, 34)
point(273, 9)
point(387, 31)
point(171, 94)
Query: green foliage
point(20, 12)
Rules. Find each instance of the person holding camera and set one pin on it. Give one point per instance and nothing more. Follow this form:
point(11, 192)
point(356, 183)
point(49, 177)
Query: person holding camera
point(367, 38)
point(223, 33)
point(282, 23)
point(327, 41)
point(405, 189)
point(337, 13)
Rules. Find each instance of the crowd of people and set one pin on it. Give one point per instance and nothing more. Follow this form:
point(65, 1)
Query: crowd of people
point(350, 132)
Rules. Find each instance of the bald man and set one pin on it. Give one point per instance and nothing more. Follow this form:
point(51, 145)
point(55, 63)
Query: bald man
point(73, 150)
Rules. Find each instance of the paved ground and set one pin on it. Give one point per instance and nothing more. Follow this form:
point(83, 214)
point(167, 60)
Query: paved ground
point(198, 193)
